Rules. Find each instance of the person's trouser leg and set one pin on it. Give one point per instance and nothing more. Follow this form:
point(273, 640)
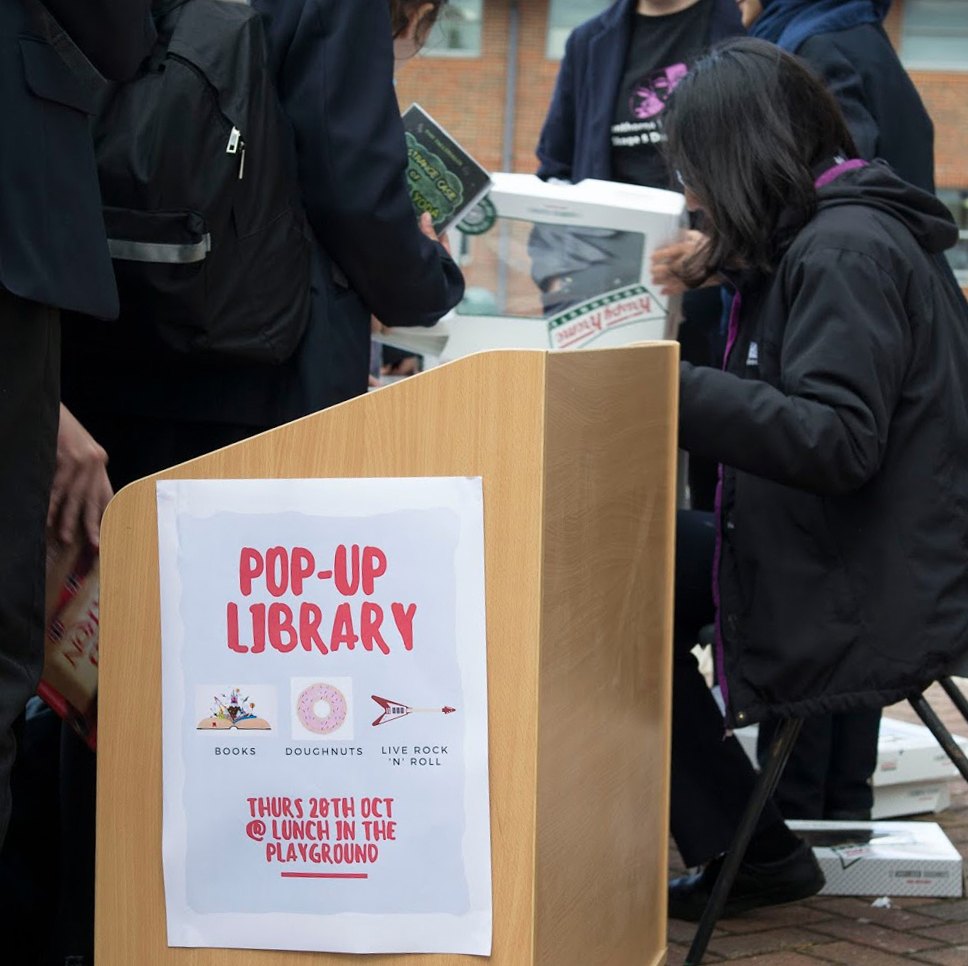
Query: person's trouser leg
point(712, 778)
point(72, 938)
point(853, 760)
point(29, 376)
point(829, 773)
point(801, 792)
point(30, 858)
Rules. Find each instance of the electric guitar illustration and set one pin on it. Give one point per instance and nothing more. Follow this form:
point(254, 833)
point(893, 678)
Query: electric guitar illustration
point(392, 710)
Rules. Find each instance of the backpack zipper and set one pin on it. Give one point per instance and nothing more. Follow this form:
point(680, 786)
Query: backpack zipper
point(235, 136)
point(237, 146)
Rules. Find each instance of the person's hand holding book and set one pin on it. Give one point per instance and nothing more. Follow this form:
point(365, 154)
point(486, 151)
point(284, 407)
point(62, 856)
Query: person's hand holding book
point(81, 489)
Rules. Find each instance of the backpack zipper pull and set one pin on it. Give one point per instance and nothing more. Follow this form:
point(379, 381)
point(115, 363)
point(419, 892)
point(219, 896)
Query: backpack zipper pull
point(235, 138)
point(242, 162)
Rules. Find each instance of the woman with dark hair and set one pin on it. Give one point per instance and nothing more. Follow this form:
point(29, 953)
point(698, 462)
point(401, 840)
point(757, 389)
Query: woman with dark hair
point(839, 421)
point(844, 43)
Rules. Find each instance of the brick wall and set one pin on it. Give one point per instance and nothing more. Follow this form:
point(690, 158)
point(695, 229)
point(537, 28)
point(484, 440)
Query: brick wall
point(468, 95)
point(946, 97)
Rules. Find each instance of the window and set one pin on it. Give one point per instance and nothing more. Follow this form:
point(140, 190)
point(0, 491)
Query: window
point(957, 202)
point(563, 17)
point(935, 35)
point(458, 30)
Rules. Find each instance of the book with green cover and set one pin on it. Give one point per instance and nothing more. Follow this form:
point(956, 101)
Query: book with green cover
point(444, 179)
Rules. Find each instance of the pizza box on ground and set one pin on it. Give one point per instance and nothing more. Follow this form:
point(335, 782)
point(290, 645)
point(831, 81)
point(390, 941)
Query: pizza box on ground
point(913, 798)
point(910, 753)
point(884, 858)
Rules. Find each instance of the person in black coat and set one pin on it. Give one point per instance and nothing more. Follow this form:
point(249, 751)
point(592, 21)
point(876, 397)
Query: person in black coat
point(840, 424)
point(605, 122)
point(829, 772)
point(150, 408)
point(53, 256)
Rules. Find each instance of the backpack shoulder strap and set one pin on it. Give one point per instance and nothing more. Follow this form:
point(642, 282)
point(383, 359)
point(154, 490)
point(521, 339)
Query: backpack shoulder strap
point(51, 31)
point(161, 8)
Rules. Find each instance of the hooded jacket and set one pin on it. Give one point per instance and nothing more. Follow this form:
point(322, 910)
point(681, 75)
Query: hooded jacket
point(788, 23)
point(844, 42)
point(841, 422)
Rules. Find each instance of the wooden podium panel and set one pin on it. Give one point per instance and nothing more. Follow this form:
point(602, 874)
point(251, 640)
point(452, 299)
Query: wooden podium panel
point(578, 456)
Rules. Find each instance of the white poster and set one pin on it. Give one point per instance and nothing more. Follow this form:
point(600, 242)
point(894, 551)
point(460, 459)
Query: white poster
point(325, 715)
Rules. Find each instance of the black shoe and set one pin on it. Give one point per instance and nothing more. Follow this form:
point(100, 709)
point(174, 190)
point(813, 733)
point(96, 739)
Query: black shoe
point(798, 876)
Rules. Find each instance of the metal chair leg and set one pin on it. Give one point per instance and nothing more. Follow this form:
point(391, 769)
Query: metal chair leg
point(952, 749)
point(783, 743)
point(957, 696)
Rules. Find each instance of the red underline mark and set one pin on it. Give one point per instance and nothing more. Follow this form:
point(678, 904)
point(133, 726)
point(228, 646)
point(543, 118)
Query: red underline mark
point(324, 875)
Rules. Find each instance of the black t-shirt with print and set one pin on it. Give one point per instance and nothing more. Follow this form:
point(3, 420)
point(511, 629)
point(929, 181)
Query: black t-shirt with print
point(660, 51)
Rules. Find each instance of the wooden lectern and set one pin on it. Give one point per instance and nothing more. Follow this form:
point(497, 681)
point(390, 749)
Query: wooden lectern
point(578, 456)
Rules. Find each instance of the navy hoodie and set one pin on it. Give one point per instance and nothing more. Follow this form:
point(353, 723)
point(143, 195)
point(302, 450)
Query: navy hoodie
point(844, 43)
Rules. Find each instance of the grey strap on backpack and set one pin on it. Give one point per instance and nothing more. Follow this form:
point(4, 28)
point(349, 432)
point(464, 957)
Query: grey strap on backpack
point(160, 253)
point(88, 77)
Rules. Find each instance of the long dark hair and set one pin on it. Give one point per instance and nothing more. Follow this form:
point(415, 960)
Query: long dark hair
point(747, 127)
point(402, 10)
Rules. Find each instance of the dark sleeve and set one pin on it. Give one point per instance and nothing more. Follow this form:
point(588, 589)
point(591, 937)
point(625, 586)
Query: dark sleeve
point(335, 77)
point(115, 35)
point(846, 84)
point(556, 146)
point(842, 363)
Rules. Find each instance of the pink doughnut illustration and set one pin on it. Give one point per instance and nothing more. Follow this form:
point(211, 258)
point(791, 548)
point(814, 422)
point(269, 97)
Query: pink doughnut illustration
point(307, 701)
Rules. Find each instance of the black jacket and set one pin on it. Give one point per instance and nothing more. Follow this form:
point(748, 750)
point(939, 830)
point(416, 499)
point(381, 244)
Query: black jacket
point(842, 424)
point(333, 64)
point(576, 140)
point(52, 243)
point(334, 69)
point(880, 103)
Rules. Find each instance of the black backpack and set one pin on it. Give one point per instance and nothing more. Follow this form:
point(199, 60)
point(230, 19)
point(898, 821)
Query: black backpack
point(201, 201)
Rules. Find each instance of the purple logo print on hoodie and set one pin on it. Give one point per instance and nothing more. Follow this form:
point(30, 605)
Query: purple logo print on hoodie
point(651, 93)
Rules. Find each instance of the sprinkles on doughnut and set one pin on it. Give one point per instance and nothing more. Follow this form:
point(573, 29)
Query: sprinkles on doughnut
point(306, 709)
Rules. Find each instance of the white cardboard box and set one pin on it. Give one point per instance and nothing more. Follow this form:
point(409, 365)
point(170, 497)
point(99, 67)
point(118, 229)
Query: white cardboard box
point(884, 858)
point(910, 753)
point(501, 264)
point(914, 798)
